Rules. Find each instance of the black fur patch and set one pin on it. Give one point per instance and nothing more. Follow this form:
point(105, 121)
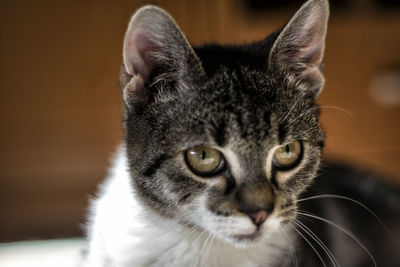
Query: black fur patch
point(154, 166)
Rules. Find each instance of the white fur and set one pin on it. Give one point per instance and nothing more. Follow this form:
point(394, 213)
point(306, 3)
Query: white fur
point(233, 159)
point(123, 232)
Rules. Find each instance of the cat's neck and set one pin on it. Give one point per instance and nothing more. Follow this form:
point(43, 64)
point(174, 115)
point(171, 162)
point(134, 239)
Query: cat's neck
point(140, 236)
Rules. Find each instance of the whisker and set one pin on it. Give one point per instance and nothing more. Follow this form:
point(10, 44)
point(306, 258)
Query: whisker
point(196, 263)
point(209, 246)
point(217, 247)
point(308, 219)
point(339, 109)
point(319, 242)
point(344, 230)
point(292, 249)
point(290, 110)
point(193, 230)
point(197, 239)
point(351, 200)
point(290, 122)
point(309, 243)
point(204, 245)
point(310, 110)
point(288, 210)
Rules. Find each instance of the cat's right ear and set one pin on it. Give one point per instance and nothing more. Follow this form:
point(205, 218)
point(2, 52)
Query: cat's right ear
point(299, 48)
point(155, 51)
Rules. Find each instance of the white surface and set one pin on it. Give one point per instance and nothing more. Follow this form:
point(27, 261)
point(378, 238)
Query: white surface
point(54, 253)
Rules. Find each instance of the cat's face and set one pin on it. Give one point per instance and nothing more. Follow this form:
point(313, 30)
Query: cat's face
point(223, 141)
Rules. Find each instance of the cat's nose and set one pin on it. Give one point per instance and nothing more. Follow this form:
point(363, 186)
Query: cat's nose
point(258, 217)
point(256, 201)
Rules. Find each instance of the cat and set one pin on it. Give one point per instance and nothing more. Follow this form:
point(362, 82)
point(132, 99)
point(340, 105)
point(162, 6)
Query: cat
point(221, 143)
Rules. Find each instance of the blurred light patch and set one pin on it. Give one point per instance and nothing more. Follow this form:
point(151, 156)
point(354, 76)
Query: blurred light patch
point(45, 253)
point(384, 87)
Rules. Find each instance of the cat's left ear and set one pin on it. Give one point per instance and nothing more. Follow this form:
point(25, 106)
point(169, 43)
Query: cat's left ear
point(157, 58)
point(298, 49)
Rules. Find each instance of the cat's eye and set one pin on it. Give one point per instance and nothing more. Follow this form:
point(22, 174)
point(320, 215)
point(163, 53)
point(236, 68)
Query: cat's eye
point(203, 160)
point(287, 155)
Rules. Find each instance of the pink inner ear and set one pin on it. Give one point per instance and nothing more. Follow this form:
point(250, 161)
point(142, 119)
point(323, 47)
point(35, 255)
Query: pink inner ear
point(310, 43)
point(312, 53)
point(138, 52)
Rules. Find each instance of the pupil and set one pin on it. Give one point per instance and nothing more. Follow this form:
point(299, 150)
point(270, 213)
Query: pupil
point(287, 149)
point(203, 155)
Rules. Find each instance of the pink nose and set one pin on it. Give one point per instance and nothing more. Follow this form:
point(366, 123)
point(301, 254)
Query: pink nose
point(258, 217)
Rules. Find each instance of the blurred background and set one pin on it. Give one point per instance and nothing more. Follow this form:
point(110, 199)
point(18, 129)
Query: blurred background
point(60, 101)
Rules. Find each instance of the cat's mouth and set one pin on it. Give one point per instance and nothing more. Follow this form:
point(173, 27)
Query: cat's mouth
point(248, 237)
point(261, 232)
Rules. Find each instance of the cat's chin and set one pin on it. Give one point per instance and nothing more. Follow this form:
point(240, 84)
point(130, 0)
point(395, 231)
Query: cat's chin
point(260, 235)
point(246, 241)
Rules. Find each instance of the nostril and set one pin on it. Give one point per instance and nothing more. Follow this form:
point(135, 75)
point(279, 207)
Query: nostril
point(270, 208)
point(258, 217)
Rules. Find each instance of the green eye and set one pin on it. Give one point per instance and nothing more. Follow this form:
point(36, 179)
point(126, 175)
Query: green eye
point(287, 155)
point(204, 160)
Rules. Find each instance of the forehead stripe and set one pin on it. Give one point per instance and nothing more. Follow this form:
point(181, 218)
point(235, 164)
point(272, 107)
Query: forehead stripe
point(218, 132)
point(282, 132)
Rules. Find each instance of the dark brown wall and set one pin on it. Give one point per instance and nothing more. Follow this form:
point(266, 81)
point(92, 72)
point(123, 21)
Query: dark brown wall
point(60, 102)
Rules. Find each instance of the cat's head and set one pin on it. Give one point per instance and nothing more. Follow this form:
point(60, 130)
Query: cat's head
point(223, 138)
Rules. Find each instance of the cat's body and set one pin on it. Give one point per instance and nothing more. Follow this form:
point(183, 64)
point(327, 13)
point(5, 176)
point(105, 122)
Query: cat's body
point(360, 203)
point(220, 143)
